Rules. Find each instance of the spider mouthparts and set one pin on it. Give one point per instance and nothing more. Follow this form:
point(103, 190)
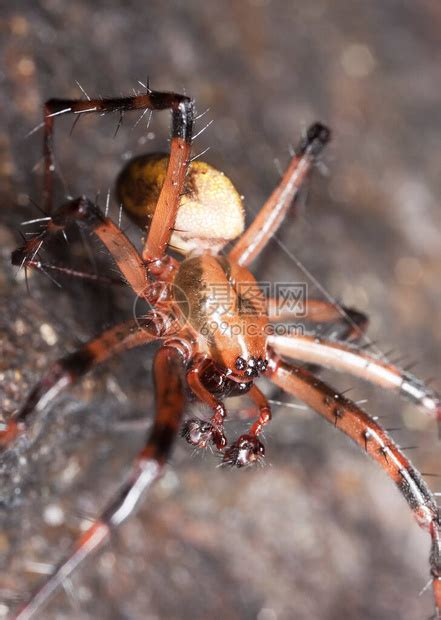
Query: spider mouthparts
point(247, 450)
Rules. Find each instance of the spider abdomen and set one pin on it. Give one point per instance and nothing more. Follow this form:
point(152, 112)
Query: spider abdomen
point(210, 211)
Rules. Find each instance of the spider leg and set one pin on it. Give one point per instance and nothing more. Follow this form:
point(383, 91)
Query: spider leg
point(72, 273)
point(182, 109)
point(349, 358)
point(269, 218)
point(87, 214)
point(346, 323)
point(71, 368)
point(150, 462)
point(372, 438)
point(248, 449)
point(199, 432)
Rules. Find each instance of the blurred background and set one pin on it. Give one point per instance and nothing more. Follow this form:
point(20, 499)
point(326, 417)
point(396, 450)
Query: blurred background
point(319, 532)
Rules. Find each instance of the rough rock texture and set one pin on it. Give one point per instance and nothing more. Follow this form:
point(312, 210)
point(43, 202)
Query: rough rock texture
point(319, 532)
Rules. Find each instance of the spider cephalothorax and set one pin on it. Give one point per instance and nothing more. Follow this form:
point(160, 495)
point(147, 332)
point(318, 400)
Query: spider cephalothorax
point(212, 320)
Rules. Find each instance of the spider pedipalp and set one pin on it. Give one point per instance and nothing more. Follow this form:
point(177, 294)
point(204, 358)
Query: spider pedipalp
point(246, 450)
point(198, 433)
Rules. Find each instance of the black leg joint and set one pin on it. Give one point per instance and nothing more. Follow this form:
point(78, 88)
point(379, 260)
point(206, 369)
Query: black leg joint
point(317, 137)
point(81, 210)
point(183, 115)
point(78, 363)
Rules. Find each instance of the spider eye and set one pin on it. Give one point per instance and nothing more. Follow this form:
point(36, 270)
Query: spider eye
point(240, 363)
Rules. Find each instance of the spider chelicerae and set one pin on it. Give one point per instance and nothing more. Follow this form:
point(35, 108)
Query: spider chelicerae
point(214, 324)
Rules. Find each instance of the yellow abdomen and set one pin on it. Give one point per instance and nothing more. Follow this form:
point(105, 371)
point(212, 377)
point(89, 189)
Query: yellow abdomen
point(210, 211)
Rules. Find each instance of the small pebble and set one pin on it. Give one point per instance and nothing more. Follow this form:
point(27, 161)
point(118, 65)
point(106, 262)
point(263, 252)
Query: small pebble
point(53, 515)
point(48, 334)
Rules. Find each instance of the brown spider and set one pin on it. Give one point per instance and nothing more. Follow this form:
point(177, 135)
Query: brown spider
point(209, 348)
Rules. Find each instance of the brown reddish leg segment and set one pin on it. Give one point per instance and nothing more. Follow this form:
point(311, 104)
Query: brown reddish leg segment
point(350, 359)
point(269, 218)
point(264, 410)
point(85, 213)
point(169, 395)
point(182, 109)
point(71, 368)
point(180, 105)
point(347, 323)
point(164, 217)
point(248, 449)
point(372, 438)
point(198, 432)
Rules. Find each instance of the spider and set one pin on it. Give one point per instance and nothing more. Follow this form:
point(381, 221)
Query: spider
point(210, 349)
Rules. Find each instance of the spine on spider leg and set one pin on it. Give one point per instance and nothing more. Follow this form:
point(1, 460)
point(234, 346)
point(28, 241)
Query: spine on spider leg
point(80, 209)
point(182, 128)
point(48, 158)
point(152, 100)
point(85, 213)
point(371, 437)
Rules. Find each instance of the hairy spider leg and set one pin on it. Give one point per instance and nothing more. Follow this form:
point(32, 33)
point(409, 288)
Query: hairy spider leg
point(271, 215)
point(371, 437)
point(358, 363)
point(182, 109)
point(168, 369)
point(346, 323)
point(28, 255)
point(69, 369)
point(261, 402)
point(248, 448)
point(46, 268)
point(89, 215)
point(214, 428)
